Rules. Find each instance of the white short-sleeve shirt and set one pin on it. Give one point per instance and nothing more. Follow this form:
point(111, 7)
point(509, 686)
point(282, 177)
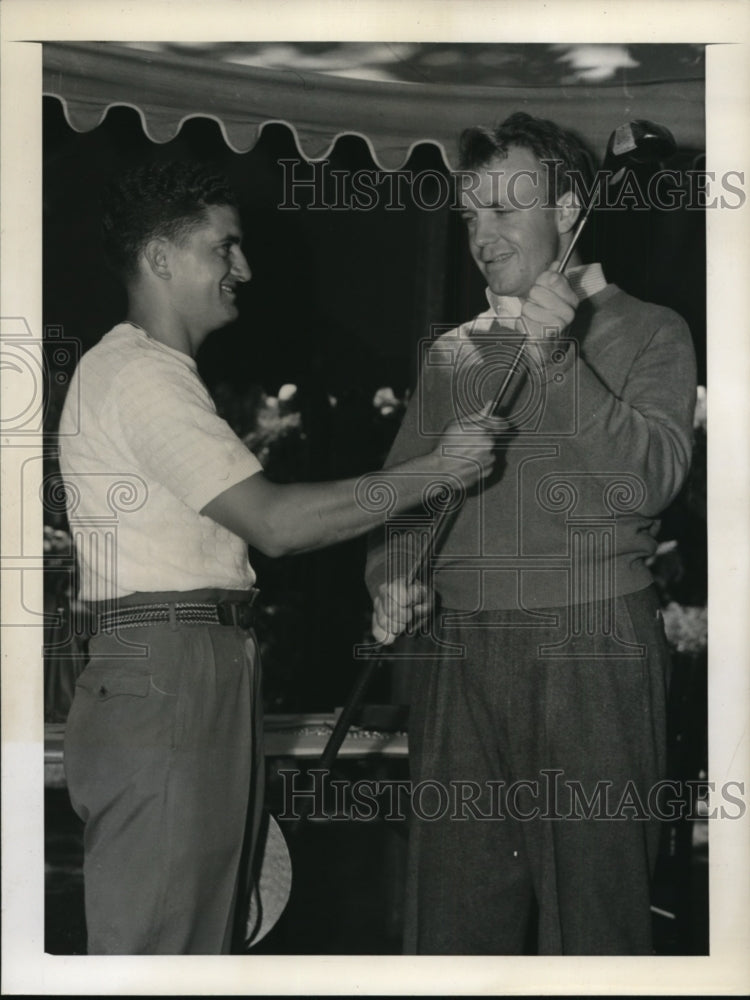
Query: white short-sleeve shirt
point(142, 451)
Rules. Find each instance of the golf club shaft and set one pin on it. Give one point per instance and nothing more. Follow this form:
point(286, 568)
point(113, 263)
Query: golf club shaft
point(448, 516)
point(342, 726)
point(576, 235)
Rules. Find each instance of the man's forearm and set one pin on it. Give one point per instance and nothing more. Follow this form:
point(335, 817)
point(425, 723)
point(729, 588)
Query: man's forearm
point(304, 516)
point(291, 518)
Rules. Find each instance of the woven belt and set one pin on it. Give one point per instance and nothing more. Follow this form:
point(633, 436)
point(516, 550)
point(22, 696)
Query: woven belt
point(241, 614)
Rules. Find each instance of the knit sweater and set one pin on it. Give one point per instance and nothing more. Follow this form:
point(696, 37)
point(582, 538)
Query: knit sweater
point(600, 444)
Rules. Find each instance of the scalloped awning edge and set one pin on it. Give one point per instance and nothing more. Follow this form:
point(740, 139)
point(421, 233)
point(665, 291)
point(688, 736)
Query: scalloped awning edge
point(167, 90)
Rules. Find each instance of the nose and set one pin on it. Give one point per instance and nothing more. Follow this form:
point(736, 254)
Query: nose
point(240, 267)
point(487, 229)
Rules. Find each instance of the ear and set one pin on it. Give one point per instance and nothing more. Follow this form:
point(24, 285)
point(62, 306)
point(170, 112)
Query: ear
point(568, 211)
point(157, 258)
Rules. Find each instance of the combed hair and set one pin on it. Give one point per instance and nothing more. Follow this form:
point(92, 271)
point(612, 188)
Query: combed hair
point(545, 139)
point(157, 200)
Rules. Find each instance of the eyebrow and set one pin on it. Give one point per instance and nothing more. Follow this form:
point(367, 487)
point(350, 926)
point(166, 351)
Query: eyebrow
point(474, 205)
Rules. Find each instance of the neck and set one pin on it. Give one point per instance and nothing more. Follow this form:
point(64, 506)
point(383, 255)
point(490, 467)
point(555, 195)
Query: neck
point(161, 324)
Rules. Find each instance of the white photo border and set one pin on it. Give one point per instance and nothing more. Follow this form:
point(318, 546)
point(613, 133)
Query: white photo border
point(726, 29)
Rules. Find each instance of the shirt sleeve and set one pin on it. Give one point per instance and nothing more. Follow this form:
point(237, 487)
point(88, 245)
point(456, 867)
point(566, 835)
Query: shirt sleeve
point(170, 424)
point(646, 427)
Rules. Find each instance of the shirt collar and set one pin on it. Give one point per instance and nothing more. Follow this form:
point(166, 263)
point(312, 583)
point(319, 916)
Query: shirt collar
point(585, 280)
point(157, 345)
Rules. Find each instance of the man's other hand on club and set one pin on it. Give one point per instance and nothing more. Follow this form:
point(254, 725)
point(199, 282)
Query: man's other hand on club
point(398, 606)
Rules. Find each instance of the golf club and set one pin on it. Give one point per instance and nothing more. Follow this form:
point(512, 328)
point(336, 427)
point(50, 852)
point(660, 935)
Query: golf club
point(635, 142)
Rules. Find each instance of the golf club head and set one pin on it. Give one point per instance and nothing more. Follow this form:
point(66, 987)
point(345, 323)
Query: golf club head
point(638, 141)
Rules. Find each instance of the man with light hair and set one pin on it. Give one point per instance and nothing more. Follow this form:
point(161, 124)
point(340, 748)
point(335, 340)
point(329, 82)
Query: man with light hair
point(540, 692)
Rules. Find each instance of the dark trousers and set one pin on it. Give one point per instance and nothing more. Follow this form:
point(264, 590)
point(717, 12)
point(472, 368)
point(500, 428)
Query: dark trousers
point(523, 732)
point(163, 760)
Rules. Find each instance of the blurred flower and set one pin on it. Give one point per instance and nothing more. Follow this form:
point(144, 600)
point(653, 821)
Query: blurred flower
point(286, 392)
point(686, 627)
point(662, 549)
point(56, 542)
point(699, 418)
point(385, 401)
point(273, 426)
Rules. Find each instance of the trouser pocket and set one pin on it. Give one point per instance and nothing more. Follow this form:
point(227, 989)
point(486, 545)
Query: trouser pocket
point(124, 712)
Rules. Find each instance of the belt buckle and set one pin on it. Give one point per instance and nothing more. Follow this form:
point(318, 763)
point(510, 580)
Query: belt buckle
point(234, 613)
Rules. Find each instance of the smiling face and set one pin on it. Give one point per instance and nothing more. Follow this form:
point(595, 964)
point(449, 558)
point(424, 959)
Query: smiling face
point(205, 269)
point(510, 243)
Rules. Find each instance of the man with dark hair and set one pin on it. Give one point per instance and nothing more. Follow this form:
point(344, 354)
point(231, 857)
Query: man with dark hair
point(539, 698)
point(163, 750)
point(167, 201)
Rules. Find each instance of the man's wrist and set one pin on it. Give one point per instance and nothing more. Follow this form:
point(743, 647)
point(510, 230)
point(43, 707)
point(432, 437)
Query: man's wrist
point(433, 463)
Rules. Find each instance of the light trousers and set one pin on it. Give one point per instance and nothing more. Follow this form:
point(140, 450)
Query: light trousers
point(164, 763)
